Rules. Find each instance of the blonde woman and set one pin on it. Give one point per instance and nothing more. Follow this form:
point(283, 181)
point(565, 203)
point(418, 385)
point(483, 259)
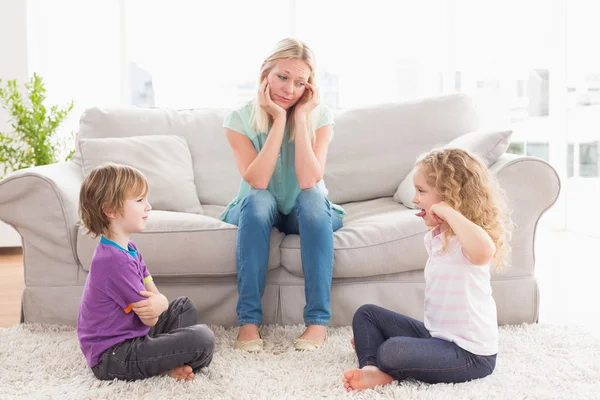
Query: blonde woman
point(458, 341)
point(280, 142)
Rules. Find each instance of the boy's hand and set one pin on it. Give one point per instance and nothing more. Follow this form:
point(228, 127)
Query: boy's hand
point(152, 307)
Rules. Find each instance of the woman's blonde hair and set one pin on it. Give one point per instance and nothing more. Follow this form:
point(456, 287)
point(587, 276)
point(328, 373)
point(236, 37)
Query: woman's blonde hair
point(465, 184)
point(107, 188)
point(286, 49)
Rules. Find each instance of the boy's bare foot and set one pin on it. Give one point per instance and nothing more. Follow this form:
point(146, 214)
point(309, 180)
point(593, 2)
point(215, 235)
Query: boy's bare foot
point(183, 373)
point(248, 332)
point(316, 333)
point(366, 378)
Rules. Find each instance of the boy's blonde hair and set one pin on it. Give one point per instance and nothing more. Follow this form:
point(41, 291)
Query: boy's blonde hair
point(465, 184)
point(105, 189)
point(285, 49)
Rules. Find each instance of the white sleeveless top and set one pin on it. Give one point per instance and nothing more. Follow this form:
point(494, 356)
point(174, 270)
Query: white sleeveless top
point(459, 306)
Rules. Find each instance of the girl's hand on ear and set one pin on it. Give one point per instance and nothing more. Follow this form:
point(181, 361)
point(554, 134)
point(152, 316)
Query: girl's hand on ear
point(440, 211)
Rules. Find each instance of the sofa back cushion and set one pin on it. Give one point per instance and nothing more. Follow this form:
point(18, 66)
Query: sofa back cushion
point(164, 160)
point(489, 145)
point(215, 174)
point(373, 150)
point(376, 147)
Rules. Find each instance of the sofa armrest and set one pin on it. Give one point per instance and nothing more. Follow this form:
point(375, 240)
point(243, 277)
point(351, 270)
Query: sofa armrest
point(41, 204)
point(532, 187)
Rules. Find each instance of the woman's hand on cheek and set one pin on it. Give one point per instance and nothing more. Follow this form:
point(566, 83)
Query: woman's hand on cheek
point(267, 103)
point(309, 100)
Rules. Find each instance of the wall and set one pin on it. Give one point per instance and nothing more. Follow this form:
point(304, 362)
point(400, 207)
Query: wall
point(13, 65)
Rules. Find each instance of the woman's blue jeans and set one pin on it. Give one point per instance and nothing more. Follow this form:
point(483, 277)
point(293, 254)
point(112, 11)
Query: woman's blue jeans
point(315, 221)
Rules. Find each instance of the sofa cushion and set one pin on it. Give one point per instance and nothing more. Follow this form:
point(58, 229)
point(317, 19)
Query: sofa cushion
point(488, 144)
point(378, 237)
point(215, 174)
point(164, 160)
point(375, 147)
point(178, 244)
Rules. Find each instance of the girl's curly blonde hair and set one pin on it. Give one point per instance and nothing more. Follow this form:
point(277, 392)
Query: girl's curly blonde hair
point(465, 184)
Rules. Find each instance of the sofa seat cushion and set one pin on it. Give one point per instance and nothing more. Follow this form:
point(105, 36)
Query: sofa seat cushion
point(378, 237)
point(182, 244)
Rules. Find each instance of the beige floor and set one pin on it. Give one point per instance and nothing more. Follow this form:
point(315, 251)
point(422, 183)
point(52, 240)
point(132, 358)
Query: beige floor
point(567, 266)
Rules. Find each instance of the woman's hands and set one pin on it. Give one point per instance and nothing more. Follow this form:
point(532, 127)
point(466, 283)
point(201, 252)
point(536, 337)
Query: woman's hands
point(267, 104)
point(308, 102)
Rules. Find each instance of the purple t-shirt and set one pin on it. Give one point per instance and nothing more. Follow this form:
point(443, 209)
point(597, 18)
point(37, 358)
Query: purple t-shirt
point(105, 317)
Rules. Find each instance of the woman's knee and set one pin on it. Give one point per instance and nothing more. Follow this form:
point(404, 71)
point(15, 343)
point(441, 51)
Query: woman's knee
point(312, 198)
point(259, 204)
point(312, 206)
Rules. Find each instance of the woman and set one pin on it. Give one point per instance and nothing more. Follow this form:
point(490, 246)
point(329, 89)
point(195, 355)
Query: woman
point(280, 142)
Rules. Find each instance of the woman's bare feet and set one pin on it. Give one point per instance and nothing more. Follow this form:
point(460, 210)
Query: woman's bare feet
point(366, 378)
point(248, 332)
point(183, 373)
point(316, 333)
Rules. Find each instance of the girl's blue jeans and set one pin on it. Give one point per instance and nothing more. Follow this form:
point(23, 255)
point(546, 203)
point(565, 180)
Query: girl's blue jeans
point(403, 348)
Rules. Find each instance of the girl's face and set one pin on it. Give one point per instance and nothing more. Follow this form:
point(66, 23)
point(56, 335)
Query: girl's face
point(287, 81)
point(425, 197)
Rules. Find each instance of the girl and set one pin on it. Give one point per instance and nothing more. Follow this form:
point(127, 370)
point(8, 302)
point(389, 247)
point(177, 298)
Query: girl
point(458, 341)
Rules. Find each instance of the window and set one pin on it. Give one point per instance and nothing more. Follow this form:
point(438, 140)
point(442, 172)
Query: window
point(192, 54)
point(570, 160)
point(516, 148)
point(540, 150)
point(77, 53)
point(589, 158)
point(520, 88)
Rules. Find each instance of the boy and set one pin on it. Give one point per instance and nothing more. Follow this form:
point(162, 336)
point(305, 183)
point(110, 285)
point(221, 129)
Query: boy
point(127, 329)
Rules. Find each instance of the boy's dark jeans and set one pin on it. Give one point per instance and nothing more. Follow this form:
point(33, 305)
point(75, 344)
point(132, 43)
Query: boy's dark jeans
point(175, 340)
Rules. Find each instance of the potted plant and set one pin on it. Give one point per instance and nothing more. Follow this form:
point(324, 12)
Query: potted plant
point(34, 140)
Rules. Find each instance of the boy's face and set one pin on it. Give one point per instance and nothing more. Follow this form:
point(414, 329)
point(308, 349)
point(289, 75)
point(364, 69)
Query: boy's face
point(134, 215)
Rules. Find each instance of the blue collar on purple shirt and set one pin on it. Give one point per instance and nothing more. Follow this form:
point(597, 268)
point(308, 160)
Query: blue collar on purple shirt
point(132, 252)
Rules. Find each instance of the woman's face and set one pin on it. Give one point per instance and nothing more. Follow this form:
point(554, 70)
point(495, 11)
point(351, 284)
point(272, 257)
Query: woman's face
point(287, 81)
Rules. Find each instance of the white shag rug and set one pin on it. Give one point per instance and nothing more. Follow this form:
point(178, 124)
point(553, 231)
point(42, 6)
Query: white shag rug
point(535, 362)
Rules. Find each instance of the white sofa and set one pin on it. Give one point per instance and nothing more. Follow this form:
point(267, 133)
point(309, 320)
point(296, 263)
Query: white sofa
point(379, 252)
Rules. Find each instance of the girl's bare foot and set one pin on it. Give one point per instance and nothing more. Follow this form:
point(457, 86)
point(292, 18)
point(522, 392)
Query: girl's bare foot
point(248, 332)
point(316, 333)
point(183, 373)
point(366, 378)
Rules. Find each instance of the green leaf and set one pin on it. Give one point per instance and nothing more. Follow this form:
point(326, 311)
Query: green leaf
point(34, 139)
